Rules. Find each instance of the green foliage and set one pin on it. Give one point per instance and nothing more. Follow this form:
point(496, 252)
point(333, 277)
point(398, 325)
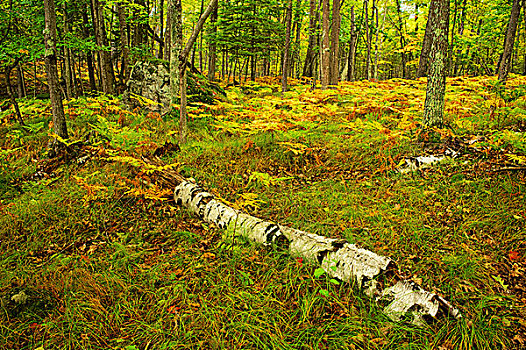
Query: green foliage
point(120, 137)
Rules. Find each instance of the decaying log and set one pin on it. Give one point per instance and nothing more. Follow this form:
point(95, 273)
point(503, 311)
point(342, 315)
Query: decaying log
point(347, 262)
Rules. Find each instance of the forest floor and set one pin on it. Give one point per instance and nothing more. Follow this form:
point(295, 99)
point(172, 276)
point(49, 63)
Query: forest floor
point(108, 262)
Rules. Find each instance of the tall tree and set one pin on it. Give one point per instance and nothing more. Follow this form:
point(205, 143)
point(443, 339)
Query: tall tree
point(505, 61)
point(325, 48)
point(335, 43)
point(438, 24)
point(310, 57)
point(368, 33)
point(106, 66)
point(402, 39)
point(286, 51)
point(212, 47)
point(50, 55)
point(351, 60)
point(426, 44)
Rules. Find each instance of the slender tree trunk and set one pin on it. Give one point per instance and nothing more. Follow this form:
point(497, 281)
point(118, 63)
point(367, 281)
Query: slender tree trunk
point(334, 69)
point(402, 39)
point(67, 63)
point(310, 57)
point(505, 62)
point(426, 45)
point(106, 66)
point(351, 61)
point(325, 46)
point(124, 73)
point(50, 55)
point(438, 24)
point(20, 81)
point(452, 41)
point(161, 29)
point(89, 55)
point(176, 32)
point(168, 36)
point(375, 17)
point(368, 35)
point(297, 46)
point(212, 47)
point(460, 32)
point(11, 93)
point(286, 51)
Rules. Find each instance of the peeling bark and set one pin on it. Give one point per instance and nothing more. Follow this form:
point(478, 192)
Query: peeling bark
point(347, 262)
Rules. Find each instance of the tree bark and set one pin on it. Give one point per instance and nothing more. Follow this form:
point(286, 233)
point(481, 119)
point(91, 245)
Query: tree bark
point(124, 72)
point(106, 66)
point(335, 43)
point(212, 47)
point(20, 81)
point(286, 51)
point(325, 46)
point(368, 35)
point(338, 258)
point(10, 91)
point(89, 54)
point(67, 69)
point(310, 57)
point(505, 62)
point(351, 61)
point(402, 39)
point(50, 55)
point(375, 18)
point(438, 24)
point(426, 44)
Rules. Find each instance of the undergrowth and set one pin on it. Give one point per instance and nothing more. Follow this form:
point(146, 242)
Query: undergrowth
point(127, 269)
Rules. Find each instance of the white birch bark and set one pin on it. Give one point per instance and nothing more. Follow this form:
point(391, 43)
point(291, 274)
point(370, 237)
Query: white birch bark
point(340, 259)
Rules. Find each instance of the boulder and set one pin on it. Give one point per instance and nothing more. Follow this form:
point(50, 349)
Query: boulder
point(151, 80)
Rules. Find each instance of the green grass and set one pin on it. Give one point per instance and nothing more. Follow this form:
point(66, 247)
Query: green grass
point(126, 272)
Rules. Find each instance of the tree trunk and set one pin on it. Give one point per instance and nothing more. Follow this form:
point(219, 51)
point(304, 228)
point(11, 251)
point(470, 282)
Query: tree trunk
point(402, 39)
point(20, 81)
point(325, 46)
point(368, 35)
point(452, 41)
point(176, 32)
point(426, 44)
point(404, 299)
point(212, 47)
point(310, 57)
point(460, 32)
point(505, 62)
point(438, 24)
point(50, 55)
point(124, 72)
point(351, 61)
point(67, 63)
point(10, 91)
point(286, 51)
point(89, 55)
point(375, 18)
point(161, 29)
point(334, 70)
point(106, 66)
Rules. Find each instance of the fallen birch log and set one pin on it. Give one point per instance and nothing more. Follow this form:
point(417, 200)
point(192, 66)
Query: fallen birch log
point(366, 270)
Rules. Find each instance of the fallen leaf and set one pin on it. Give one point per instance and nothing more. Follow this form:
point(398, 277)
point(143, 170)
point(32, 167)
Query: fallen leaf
point(513, 255)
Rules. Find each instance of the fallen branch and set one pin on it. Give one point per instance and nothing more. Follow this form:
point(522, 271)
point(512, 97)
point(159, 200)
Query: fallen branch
point(373, 274)
point(366, 270)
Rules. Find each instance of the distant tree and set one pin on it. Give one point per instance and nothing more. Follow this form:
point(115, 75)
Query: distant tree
point(50, 42)
point(334, 57)
point(351, 59)
point(505, 60)
point(438, 24)
point(106, 65)
point(325, 45)
point(286, 50)
point(310, 57)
